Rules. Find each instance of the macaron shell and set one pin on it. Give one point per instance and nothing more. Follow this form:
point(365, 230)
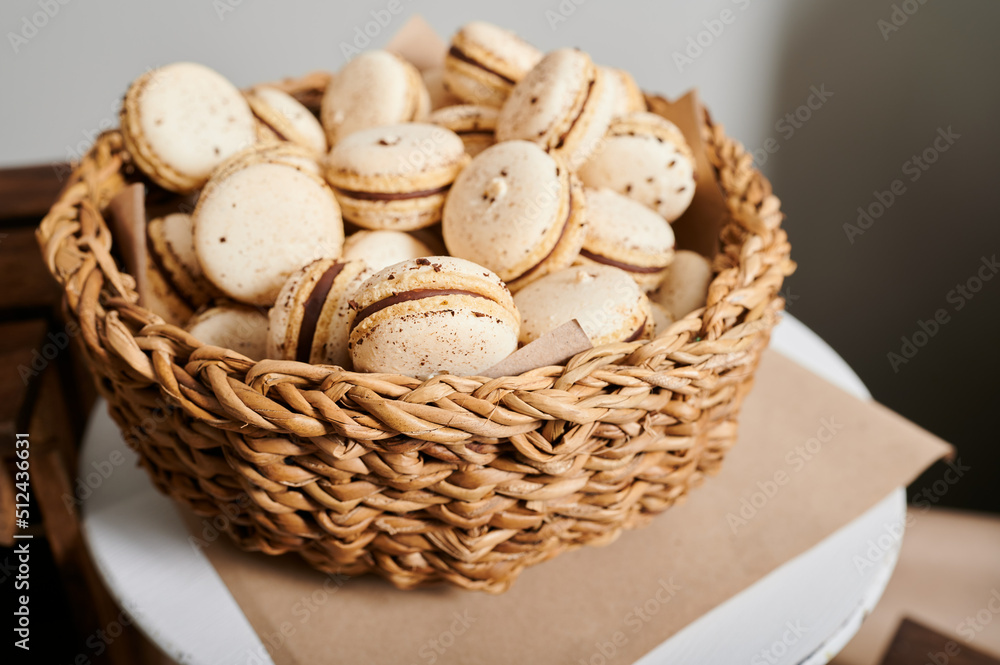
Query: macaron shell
point(654, 173)
point(510, 208)
point(623, 231)
point(333, 329)
point(238, 328)
point(607, 303)
point(485, 62)
point(685, 286)
point(181, 121)
point(380, 249)
point(455, 334)
point(170, 247)
point(625, 91)
point(474, 124)
point(159, 297)
point(376, 88)
point(287, 117)
point(440, 96)
point(661, 317)
point(257, 225)
point(278, 152)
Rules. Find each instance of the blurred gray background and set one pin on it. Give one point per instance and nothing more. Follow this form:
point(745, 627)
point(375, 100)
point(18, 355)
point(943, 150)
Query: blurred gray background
point(836, 98)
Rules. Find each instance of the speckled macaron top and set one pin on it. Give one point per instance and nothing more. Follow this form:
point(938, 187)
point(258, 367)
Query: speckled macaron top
point(286, 117)
point(645, 157)
point(431, 315)
point(606, 301)
point(564, 104)
point(485, 61)
point(382, 248)
point(181, 121)
point(255, 226)
point(516, 210)
point(376, 88)
point(625, 234)
point(311, 318)
point(232, 326)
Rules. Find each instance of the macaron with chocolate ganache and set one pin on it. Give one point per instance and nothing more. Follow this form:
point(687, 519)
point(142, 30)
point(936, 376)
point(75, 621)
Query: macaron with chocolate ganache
point(395, 177)
point(516, 210)
point(182, 120)
point(605, 301)
point(380, 249)
point(485, 62)
point(645, 157)
point(286, 118)
point(374, 89)
point(311, 318)
point(430, 316)
point(174, 273)
point(232, 326)
point(564, 105)
point(627, 235)
point(475, 125)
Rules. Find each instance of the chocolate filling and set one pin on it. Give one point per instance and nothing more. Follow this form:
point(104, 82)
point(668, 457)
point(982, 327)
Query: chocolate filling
point(583, 107)
point(638, 332)
point(457, 54)
point(167, 276)
point(618, 264)
point(391, 196)
point(312, 309)
point(552, 251)
point(406, 296)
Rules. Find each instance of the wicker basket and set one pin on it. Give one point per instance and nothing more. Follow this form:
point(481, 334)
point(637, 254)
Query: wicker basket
point(462, 479)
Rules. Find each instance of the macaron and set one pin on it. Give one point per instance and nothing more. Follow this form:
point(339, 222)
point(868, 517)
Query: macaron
point(256, 225)
point(685, 285)
point(605, 301)
point(485, 62)
point(475, 125)
point(173, 269)
point(380, 249)
point(272, 152)
point(232, 326)
point(430, 316)
point(181, 121)
point(625, 91)
point(516, 210)
point(311, 319)
point(395, 176)
point(286, 118)
point(645, 157)
point(440, 96)
point(627, 235)
point(564, 105)
point(662, 318)
point(376, 88)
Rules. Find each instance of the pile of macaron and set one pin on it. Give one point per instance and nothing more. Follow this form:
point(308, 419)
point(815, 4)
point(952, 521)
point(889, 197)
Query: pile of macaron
point(419, 223)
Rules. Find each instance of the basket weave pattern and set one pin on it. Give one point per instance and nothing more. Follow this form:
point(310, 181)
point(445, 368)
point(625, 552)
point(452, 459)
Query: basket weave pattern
point(462, 479)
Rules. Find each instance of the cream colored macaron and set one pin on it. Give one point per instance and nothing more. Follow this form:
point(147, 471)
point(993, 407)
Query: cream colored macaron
point(485, 62)
point(627, 235)
point(396, 176)
point(605, 301)
point(440, 96)
point(685, 285)
point(286, 118)
point(564, 105)
point(174, 272)
point(475, 125)
point(662, 318)
point(431, 316)
point(625, 91)
point(516, 210)
point(645, 157)
point(311, 318)
point(254, 226)
point(181, 121)
point(380, 249)
point(374, 89)
point(232, 326)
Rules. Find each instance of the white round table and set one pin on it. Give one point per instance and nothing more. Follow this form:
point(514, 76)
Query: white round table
point(141, 549)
